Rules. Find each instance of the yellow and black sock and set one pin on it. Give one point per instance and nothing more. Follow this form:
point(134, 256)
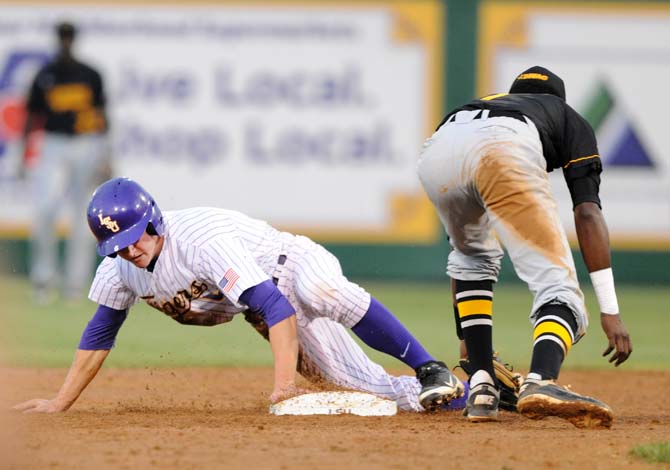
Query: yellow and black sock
point(553, 335)
point(459, 330)
point(474, 303)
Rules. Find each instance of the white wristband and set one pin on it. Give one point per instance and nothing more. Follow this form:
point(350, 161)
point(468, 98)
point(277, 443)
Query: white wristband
point(603, 284)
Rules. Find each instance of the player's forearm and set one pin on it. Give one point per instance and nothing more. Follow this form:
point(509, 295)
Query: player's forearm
point(593, 236)
point(594, 244)
point(85, 366)
point(284, 344)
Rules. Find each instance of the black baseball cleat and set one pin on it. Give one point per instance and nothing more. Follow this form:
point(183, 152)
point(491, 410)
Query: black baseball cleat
point(438, 384)
point(541, 398)
point(483, 402)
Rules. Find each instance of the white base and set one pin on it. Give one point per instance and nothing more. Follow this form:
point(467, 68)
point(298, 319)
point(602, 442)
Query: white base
point(335, 403)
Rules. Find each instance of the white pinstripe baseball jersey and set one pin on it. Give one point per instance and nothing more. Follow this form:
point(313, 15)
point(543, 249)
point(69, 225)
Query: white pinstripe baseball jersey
point(211, 256)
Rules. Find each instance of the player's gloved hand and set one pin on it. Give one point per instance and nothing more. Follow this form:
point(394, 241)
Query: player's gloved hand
point(39, 405)
point(618, 338)
point(508, 380)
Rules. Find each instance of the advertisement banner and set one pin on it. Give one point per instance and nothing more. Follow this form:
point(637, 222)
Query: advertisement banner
point(310, 117)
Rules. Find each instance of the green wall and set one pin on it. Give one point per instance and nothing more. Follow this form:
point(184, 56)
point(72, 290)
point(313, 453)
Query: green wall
point(416, 262)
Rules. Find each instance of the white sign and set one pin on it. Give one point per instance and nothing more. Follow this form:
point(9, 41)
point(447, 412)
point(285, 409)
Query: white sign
point(309, 117)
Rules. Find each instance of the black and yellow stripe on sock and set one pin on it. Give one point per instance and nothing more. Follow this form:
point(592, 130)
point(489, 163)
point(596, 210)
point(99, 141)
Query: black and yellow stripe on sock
point(474, 304)
point(556, 329)
point(475, 307)
point(553, 335)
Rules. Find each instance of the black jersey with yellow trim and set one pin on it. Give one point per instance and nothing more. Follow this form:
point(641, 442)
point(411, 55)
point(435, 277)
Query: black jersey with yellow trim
point(567, 138)
point(70, 96)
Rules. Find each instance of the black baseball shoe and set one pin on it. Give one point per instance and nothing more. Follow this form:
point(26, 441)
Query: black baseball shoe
point(484, 400)
point(541, 398)
point(438, 384)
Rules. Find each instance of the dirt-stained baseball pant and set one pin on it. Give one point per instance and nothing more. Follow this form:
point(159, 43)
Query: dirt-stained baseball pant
point(326, 302)
point(487, 177)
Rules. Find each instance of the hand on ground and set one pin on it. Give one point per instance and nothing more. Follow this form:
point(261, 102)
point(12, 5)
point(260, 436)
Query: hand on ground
point(280, 394)
point(38, 405)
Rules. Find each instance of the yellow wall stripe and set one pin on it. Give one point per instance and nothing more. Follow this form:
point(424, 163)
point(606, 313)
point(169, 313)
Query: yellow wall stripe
point(555, 328)
point(475, 307)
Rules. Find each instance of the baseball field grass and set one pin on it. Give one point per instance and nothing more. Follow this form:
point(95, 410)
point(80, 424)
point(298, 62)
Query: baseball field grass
point(46, 336)
point(174, 397)
point(653, 453)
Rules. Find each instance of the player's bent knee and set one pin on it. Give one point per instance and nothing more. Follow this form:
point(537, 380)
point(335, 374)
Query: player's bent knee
point(473, 268)
point(557, 323)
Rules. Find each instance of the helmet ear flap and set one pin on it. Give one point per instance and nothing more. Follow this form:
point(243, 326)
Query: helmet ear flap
point(156, 220)
point(151, 230)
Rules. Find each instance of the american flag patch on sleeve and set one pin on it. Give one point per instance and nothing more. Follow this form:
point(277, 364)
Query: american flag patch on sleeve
point(228, 281)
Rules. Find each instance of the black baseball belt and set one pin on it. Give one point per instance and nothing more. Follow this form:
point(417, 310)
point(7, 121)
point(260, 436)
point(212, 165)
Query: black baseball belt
point(490, 113)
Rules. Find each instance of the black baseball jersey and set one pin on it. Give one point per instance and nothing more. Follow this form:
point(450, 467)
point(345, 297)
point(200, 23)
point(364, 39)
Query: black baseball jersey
point(568, 140)
point(70, 95)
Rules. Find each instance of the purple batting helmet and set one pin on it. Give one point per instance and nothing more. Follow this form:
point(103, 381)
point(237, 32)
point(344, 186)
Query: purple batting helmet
point(119, 213)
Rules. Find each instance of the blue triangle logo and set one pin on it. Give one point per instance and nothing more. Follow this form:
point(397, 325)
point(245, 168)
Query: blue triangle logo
point(620, 144)
point(628, 150)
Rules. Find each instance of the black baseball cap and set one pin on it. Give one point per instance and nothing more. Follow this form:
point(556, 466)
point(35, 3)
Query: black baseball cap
point(539, 80)
point(66, 30)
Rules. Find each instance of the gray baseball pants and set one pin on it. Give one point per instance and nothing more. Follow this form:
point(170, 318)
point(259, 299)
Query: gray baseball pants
point(487, 179)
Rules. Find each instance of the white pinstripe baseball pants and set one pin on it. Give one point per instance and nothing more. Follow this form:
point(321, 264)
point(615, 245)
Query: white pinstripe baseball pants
point(326, 302)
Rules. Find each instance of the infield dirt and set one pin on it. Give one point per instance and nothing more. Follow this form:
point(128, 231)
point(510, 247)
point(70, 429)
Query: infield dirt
point(218, 418)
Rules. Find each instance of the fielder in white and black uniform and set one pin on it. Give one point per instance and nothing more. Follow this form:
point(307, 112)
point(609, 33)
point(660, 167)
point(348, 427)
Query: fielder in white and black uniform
point(485, 171)
point(202, 266)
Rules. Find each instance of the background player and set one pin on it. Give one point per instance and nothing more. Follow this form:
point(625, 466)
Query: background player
point(485, 169)
point(203, 265)
point(67, 100)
